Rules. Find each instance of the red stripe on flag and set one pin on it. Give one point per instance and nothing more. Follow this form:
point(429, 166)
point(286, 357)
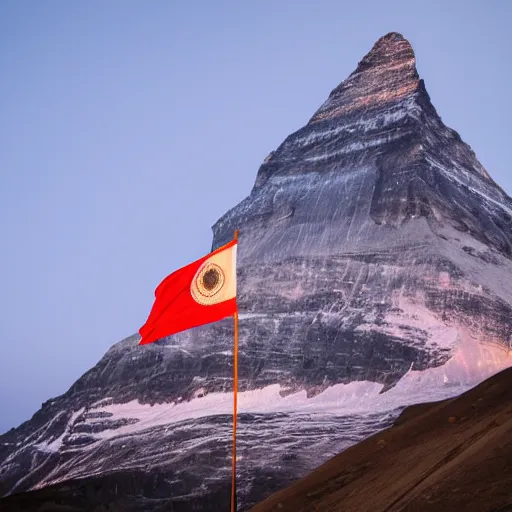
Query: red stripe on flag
point(175, 309)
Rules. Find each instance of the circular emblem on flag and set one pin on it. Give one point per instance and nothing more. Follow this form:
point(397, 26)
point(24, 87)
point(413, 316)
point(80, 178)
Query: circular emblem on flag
point(207, 283)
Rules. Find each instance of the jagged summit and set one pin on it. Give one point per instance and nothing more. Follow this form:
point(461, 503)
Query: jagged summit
point(386, 74)
point(391, 48)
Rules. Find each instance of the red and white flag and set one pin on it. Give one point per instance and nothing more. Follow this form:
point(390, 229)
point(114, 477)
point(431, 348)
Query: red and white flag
point(198, 294)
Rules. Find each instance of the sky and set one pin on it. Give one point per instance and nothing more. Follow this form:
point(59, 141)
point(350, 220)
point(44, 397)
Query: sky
point(119, 119)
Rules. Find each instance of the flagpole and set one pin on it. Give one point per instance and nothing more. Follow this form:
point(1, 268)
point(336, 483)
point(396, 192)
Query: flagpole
point(235, 393)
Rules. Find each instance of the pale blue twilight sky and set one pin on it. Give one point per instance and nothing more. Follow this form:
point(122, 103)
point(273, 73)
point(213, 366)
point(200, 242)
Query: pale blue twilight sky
point(117, 119)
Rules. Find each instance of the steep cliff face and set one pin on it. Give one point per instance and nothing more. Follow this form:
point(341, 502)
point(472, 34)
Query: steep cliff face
point(379, 225)
point(375, 271)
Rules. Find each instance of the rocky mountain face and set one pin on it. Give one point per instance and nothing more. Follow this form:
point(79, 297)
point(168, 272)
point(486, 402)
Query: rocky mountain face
point(375, 271)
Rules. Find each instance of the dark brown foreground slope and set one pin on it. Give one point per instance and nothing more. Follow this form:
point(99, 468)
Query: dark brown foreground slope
point(454, 455)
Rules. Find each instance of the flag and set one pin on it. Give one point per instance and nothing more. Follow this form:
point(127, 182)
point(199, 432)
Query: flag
point(198, 294)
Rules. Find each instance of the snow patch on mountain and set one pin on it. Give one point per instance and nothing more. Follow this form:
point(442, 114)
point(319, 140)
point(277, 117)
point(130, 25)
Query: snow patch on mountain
point(471, 363)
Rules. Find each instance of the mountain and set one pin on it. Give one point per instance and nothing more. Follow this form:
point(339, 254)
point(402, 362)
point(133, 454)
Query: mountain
point(438, 457)
point(375, 271)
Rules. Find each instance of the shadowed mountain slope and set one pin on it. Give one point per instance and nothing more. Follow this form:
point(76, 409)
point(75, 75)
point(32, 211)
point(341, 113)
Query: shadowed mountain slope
point(438, 457)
